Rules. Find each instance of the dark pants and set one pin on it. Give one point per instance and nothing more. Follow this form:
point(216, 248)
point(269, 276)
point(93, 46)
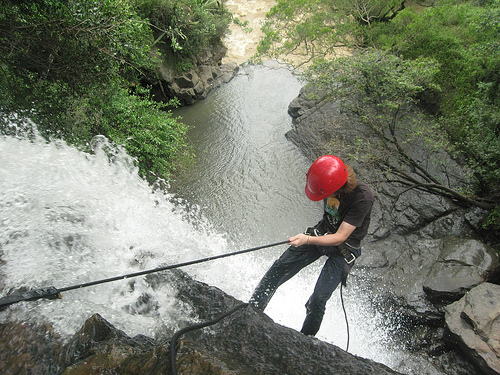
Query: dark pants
point(289, 264)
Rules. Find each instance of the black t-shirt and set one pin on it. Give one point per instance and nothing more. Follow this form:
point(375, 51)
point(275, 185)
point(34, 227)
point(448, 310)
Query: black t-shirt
point(354, 208)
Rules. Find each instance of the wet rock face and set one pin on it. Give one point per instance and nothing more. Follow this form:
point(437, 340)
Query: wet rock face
point(29, 349)
point(101, 348)
point(418, 256)
point(474, 323)
point(426, 274)
point(190, 86)
point(462, 265)
point(260, 346)
point(249, 342)
point(246, 342)
point(196, 84)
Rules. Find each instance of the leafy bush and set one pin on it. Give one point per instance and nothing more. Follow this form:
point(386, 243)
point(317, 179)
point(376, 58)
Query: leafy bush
point(149, 133)
point(186, 27)
point(72, 66)
point(465, 40)
point(81, 43)
point(316, 28)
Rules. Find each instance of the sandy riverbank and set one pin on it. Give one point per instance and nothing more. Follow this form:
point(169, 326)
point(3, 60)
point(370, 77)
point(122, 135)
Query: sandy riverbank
point(242, 41)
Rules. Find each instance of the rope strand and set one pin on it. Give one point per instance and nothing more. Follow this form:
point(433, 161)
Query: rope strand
point(53, 293)
point(178, 334)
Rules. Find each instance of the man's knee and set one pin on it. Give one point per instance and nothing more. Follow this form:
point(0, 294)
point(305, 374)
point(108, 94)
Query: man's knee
point(316, 305)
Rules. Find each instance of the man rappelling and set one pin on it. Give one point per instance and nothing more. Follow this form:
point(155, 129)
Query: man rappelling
point(346, 217)
point(338, 235)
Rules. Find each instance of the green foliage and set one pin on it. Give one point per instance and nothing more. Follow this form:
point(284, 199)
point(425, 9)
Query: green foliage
point(73, 67)
point(148, 132)
point(186, 27)
point(379, 87)
point(52, 51)
point(465, 40)
point(490, 229)
point(317, 27)
point(375, 85)
point(379, 78)
point(306, 27)
point(476, 131)
point(77, 42)
point(449, 34)
point(242, 24)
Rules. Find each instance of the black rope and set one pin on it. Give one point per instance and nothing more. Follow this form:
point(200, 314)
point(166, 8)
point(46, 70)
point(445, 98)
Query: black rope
point(178, 334)
point(135, 274)
point(53, 293)
point(345, 315)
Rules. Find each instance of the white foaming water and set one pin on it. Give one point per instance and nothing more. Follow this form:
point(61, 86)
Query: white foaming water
point(68, 217)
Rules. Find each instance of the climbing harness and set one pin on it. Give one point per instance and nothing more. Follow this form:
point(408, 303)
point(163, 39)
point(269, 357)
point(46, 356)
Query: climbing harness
point(54, 293)
point(348, 256)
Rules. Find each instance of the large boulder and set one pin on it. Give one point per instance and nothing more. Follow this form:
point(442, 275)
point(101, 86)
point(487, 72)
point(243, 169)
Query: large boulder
point(462, 265)
point(474, 323)
point(426, 274)
point(189, 86)
point(197, 83)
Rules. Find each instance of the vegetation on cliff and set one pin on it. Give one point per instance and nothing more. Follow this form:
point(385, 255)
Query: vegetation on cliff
point(74, 67)
point(443, 55)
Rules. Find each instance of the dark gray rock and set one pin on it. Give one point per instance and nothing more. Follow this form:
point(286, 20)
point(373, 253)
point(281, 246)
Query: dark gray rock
point(418, 255)
point(189, 86)
point(462, 265)
point(194, 85)
point(474, 322)
point(29, 348)
point(426, 273)
point(245, 342)
point(249, 342)
point(260, 346)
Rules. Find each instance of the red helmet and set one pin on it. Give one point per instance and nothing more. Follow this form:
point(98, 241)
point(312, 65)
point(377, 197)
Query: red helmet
point(325, 176)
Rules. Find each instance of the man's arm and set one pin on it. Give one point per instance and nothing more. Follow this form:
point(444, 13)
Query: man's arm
point(333, 239)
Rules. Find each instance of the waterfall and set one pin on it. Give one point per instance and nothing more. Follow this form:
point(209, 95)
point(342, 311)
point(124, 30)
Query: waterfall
point(69, 217)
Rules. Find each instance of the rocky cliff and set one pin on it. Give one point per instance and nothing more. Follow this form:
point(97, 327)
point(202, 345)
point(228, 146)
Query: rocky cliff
point(246, 342)
point(420, 255)
point(191, 85)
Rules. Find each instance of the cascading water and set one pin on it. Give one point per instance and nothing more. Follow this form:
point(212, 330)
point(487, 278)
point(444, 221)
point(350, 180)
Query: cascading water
point(67, 217)
point(70, 217)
